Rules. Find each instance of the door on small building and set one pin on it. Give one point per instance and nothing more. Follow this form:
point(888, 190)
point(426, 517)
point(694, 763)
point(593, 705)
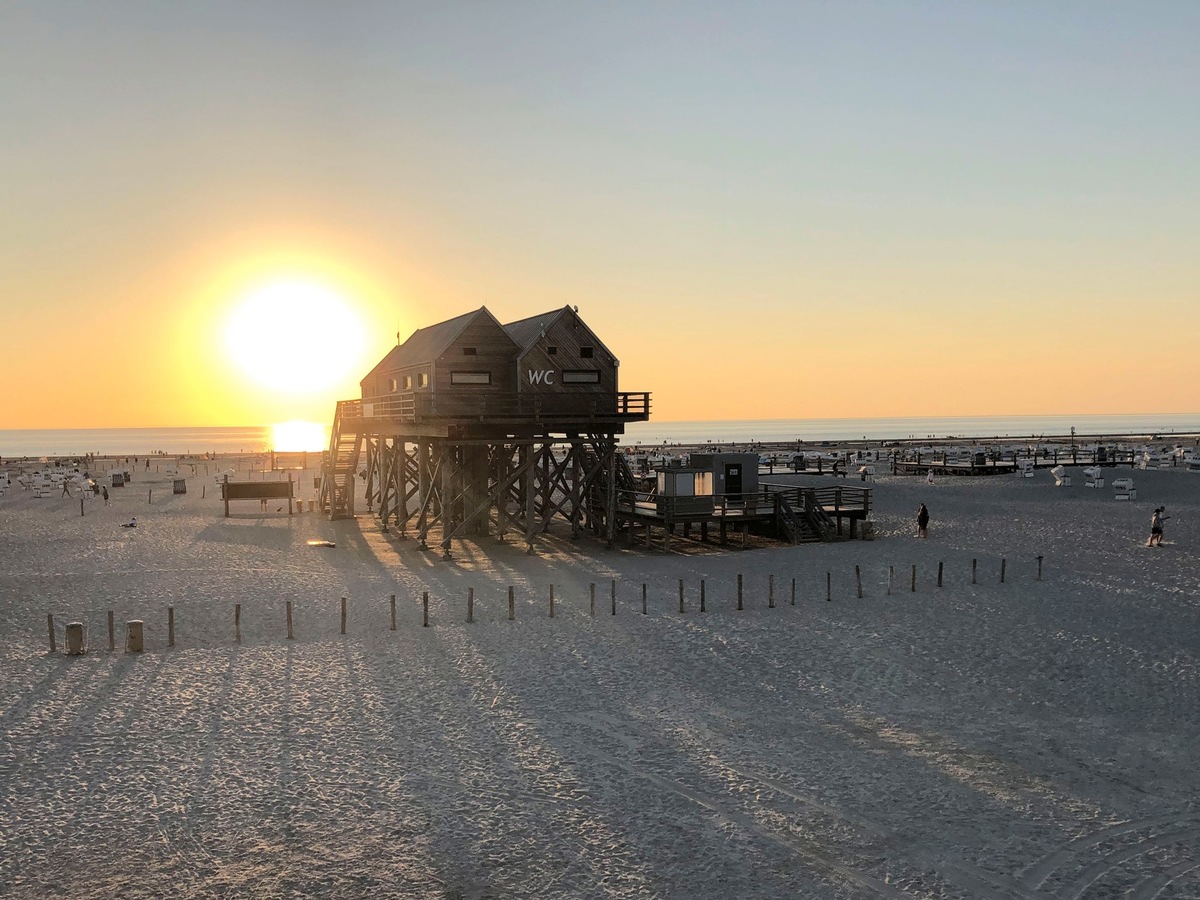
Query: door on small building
point(733, 478)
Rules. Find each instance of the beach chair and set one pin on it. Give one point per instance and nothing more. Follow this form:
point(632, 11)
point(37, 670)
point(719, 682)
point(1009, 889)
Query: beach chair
point(1024, 468)
point(1094, 476)
point(1061, 478)
point(1123, 489)
point(866, 473)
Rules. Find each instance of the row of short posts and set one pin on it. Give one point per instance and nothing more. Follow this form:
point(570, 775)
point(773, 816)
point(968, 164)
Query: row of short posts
point(76, 644)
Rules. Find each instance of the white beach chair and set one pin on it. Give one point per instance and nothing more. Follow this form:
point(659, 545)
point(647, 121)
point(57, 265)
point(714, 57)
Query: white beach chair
point(1094, 476)
point(866, 473)
point(1024, 468)
point(1123, 489)
point(1061, 478)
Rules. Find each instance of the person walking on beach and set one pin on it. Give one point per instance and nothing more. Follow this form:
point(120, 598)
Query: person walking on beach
point(922, 521)
point(104, 494)
point(66, 491)
point(1156, 527)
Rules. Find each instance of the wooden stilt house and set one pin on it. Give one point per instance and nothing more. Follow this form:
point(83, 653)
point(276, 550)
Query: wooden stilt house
point(458, 425)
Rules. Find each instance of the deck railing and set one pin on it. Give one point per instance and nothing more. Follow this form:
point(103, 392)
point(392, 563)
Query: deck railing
point(411, 406)
point(821, 505)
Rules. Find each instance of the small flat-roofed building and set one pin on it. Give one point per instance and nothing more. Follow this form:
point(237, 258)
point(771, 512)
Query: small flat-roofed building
point(732, 473)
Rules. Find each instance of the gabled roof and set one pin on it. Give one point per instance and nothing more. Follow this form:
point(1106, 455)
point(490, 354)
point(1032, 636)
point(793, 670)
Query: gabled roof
point(427, 344)
point(526, 331)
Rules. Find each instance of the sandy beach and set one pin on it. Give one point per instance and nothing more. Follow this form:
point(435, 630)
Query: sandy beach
point(1025, 739)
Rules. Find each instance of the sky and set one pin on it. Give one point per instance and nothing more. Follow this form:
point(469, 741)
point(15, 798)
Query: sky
point(224, 213)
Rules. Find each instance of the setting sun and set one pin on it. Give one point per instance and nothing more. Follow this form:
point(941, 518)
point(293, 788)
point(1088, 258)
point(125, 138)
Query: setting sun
point(297, 435)
point(295, 337)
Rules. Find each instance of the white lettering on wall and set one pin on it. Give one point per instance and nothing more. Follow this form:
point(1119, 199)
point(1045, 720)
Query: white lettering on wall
point(541, 376)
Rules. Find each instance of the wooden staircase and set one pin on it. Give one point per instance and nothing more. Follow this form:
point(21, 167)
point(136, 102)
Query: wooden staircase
point(795, 528)
point(336, 495)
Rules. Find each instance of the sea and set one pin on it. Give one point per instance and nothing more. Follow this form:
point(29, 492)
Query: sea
point(36, 443)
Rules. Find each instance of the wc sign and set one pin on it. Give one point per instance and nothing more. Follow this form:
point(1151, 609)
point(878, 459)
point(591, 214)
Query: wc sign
point(541, 376)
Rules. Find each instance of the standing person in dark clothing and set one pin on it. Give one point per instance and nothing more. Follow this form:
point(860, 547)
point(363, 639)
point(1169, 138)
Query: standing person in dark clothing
point(1156, 526)
point(922, 522)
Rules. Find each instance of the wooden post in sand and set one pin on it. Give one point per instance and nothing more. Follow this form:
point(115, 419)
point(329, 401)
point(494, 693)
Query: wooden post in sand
point(828, 587)
point(81, 506)
point(552, 601)
point(291, 636)
point(50, 625)
point(793, 592)
point(470, 605)
point(512, 609)
point(74, 639)
point(913, 589)
point(858, 580)
point(134, 636)
point(112, 633)
point(237, 622)
point(1002, 561)
point(592, 600)
point(392, 602)
point(424, 609)
point(149, 496)
point(643, 598)
point(974, 567)
point(939, 574)
point(703, 607)
point(345, 600)
point(170, 626)
point(681, 595)
point(614, 596)
point(770, 592)
point(1039, 577)
point(739, 591)
point(891, 576)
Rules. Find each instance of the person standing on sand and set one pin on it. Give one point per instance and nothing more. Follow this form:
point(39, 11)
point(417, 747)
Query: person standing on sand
point(922, 522)
point(104, 494)
point(1156, 527)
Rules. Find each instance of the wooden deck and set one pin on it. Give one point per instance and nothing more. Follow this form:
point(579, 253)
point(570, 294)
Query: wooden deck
point(798, 514)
